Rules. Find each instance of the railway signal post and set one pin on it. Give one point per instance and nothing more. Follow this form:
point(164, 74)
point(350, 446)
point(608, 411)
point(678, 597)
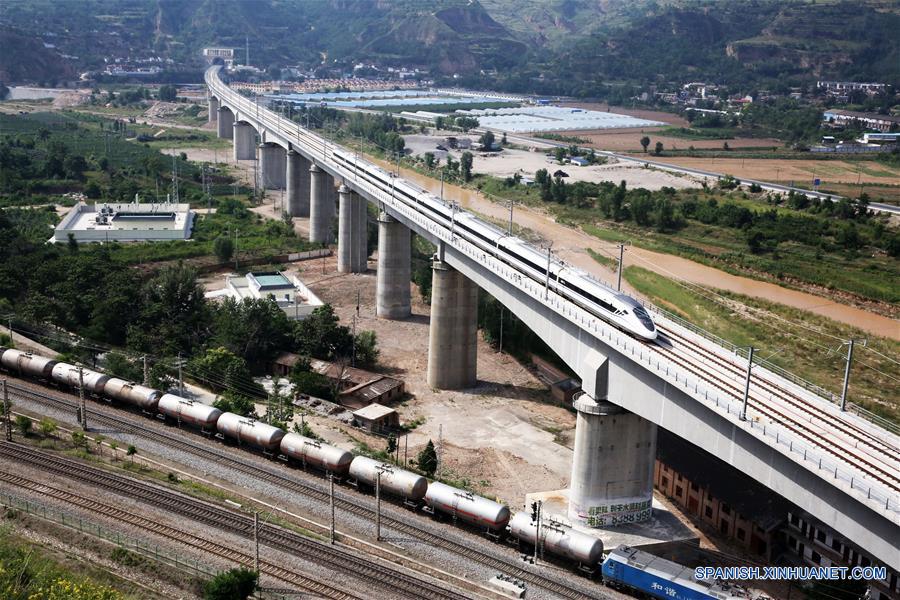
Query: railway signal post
point(378, 506)
point(331, 490)
point(6, 416)
point(82, 409)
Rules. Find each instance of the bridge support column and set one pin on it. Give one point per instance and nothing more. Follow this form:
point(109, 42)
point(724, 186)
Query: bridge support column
point(213, 104)
point(612, 469)
point(392, 297)
point(453, 334)
point(321, 205)
point(225, 123)
point(244, 142)
point(350, 215)
point(297, 184)
point(272, 166)
point(362, 231)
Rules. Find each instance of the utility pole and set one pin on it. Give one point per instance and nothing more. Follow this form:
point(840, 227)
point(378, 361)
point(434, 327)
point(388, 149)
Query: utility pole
point(500, 350)
point(6, 416)
point(331, 486)
point(440, 449)
point(621, 267)
point(81, 406)
point(235, 249)
point(547, 279)
point(256, 541)
point(537, 530)
point(510, 216)
point(442, 185)
point(378, 506)
point(180, 377)
point(353, 349)
point(747, 382)
point(850, 344)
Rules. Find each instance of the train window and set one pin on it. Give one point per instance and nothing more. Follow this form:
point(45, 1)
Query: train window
point(643, 317)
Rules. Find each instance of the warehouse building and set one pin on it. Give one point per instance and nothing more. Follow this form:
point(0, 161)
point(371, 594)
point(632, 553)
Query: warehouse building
point(125, 222)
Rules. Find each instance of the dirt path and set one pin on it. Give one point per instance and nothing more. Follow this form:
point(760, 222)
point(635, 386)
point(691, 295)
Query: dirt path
point(570, 245)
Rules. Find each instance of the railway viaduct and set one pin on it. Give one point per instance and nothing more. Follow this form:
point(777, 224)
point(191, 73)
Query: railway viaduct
point(837, 466)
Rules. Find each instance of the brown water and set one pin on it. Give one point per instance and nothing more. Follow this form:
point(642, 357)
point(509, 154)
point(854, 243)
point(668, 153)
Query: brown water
point(569, 244)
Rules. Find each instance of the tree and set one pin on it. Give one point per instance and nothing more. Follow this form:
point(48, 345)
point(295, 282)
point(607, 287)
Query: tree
point(487, 139)
point(465, 165)
point(234, 584)
point(503, 139)
point(131, 452)
point(560, 154)
point(427, 459)
point(236, 403)
point(222, 370)
point(48, 427)
point(366, 349)
point(223, 248)
point(645, 142)
point(114, 446)
point(658, 149)
point(23, 424)
point(253, 329)
point(391, 444)
point(321, 336)
point(167, 93)
point(79, 440)
point(98, 439)
point(429, 160)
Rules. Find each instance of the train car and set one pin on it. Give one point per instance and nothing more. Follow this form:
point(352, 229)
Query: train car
point(634, 569)
point(245, 430)
point(183, 410)
point(313, 452)
point(559, 540)
point(26, 363)
point(394, 480)
point(132, 393)
point(66, 374)
point(467, 507)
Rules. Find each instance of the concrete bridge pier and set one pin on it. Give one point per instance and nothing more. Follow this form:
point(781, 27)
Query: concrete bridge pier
point(360, 207)
point(392, 296)
point(453, 333)
point(213, 104)
point(321, 205)
point(272, 166)
point(349, 217)
point(297, 184)
point(612, 469)
point(244, 141)
point(225, 123)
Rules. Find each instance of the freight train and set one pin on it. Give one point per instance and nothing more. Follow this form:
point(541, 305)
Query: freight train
point(476, 512)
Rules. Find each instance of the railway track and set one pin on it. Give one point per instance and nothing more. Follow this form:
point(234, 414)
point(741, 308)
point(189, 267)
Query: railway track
point(878, 445)
point(364, 569)
point(309, 490)
point(796, 424)
point(288, 576)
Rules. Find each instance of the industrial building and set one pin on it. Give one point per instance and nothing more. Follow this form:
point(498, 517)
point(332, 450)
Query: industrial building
point(376, 418)
point(292, 296)
point(121, 222)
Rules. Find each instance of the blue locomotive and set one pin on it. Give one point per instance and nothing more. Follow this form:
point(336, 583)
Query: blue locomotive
point(633, 569)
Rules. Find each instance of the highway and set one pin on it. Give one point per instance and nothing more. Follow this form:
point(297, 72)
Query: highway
point(783, 411)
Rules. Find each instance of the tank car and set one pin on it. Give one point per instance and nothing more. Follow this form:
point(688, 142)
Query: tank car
point(66, 374)
point(131, 393)
point(315, 453)
point(245, 430)
point(656, 577)
point(558, 540)
point(27, 363)
point(187, 411)
point(394, 480)
point(466, 506)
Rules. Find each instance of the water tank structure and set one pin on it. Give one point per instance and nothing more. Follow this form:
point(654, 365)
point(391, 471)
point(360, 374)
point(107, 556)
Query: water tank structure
point(558, 539)
point(245, 430)
point(313, 452)
point(394, 480)
point(466, 506)
point(27, 363)
point(66, 374)
point(131, 393)
point(187, 411)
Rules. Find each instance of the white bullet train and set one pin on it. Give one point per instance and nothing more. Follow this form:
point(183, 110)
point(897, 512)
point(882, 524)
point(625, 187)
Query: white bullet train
point(612, 306)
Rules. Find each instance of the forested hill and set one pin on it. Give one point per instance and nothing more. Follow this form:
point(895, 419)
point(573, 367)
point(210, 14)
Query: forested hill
point(562, 46)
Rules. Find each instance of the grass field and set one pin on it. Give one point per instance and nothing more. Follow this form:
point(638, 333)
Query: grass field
point(806, 343)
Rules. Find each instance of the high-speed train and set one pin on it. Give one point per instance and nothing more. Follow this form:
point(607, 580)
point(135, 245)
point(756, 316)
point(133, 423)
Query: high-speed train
point(612, 306)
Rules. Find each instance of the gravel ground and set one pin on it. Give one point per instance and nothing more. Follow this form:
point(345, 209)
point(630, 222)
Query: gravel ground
point(319, 511)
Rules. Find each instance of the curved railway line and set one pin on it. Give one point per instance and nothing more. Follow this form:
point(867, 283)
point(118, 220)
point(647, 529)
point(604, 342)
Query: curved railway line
point(801, 426)
point(233, 461)
point(373, 573)
point(299, 580)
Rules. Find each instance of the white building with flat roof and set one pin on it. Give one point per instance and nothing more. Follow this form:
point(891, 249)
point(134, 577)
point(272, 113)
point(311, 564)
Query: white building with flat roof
point(292, 296)
point(125, 222)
